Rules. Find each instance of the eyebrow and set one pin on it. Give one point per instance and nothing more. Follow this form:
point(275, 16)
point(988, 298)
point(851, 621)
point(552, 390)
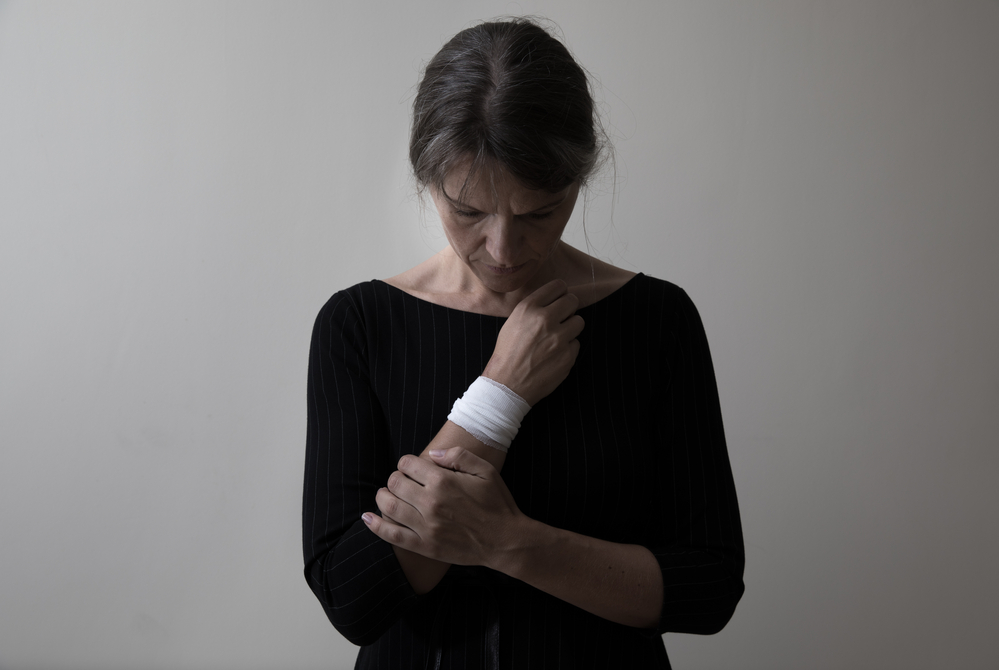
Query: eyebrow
point(463, 206)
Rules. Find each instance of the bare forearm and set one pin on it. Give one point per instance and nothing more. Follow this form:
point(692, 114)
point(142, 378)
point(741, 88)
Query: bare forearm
point(425, 573)
point(619, 582)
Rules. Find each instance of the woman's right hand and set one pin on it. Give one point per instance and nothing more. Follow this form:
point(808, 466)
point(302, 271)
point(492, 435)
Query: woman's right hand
point(537, 345)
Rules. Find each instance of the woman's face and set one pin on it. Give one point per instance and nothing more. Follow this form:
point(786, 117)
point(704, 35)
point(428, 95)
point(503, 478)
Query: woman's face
point(504, 233)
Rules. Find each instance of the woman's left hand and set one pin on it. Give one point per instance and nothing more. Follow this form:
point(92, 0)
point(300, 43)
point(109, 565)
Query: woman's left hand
point(456, 509)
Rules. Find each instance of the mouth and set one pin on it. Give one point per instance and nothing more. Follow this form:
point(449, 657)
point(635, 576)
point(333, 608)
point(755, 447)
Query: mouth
point(505, 270)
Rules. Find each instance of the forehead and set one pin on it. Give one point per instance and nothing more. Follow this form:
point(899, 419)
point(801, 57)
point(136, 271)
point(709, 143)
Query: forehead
point(489, 185)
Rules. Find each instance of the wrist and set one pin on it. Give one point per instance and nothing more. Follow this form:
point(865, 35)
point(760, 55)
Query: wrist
point(521, 540)
point(495, 371)
point(491, 412)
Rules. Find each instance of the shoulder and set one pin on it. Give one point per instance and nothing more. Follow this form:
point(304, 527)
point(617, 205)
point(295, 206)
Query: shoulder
point(357, 298)
point(655, 304)
point(672, 314)
point(650, 295)
point(352, 309)
point(353, 319)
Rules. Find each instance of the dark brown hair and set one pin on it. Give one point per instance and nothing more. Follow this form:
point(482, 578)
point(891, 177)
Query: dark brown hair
point(510, 92)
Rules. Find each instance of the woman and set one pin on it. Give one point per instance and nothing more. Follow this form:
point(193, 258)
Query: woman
point(588, 387)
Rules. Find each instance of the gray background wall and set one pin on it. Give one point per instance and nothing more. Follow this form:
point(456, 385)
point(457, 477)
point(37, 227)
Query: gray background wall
point(182, 185)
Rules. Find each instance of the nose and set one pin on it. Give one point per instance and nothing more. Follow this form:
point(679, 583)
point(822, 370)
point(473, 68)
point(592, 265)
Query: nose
point(504, 239)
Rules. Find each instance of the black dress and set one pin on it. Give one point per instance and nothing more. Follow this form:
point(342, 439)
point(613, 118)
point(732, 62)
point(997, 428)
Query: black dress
point(629, 448)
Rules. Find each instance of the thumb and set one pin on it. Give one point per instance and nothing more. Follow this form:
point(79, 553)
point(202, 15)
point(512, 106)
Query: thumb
point(547, 294)
point(461, 460)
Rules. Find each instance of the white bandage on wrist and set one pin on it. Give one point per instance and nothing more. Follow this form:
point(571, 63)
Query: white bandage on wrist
point(490, 412)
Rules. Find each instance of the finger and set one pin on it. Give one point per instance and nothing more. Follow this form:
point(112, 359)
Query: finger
point(406, 488)
point(572, 351)
point(462, 460)
point(564, 307)
point(392, 533)
point(420, 470)
point(381, 519)
point(547, 294)
point(573, 326)
point(398, 510)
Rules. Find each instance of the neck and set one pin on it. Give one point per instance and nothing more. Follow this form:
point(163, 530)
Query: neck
point(562, 264)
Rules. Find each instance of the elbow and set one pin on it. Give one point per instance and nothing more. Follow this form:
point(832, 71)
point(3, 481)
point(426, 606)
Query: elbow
point(705, 613)
point(347, 620)
point(361, 610)
point(713, 622)
point(354, 634)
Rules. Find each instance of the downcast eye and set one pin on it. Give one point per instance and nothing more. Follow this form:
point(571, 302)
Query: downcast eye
point(542, 216)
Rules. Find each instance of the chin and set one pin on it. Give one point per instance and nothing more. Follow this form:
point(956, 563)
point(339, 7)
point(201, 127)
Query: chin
point(492, 274)
point(503, 283)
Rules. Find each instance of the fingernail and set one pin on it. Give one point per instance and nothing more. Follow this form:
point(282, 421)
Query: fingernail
point(366, 518)
point(436, 453)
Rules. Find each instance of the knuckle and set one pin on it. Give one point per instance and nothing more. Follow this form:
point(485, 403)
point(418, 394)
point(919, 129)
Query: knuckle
point(384, 498)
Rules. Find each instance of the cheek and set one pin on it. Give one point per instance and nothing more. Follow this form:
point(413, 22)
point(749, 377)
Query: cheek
point(461, 238)
point(553, 237)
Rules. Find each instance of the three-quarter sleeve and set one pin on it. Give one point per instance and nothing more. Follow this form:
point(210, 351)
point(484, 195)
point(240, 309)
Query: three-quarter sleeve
point(353, 573)
point(636, 426)
point(702, 563)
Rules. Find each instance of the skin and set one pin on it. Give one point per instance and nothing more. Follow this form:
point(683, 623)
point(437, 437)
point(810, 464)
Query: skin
point(450, 505)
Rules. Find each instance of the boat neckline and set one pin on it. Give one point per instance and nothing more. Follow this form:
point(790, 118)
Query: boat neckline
point(613, 293)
